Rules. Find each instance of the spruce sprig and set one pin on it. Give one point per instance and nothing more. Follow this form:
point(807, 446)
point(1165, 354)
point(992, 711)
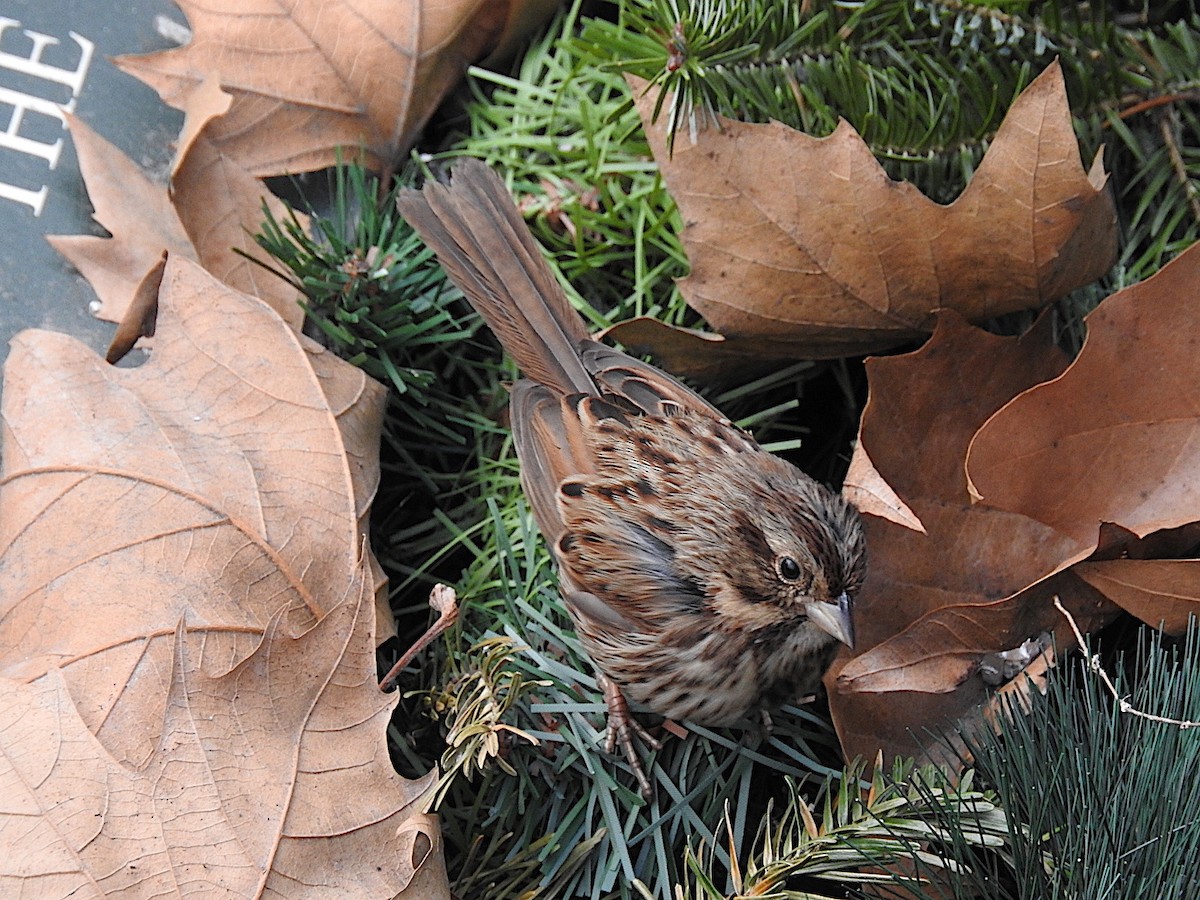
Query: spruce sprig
point(874, 831)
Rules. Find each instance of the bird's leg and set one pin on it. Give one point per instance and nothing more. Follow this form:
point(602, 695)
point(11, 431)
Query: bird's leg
point(622, 726)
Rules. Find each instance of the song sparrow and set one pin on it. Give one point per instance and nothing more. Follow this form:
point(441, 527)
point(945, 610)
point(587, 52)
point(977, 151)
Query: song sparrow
point(707, 578)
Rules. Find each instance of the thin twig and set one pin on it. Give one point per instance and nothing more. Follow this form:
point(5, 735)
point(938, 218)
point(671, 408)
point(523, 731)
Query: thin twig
point(444, 600)
point(1093, 662)
point(1165, 121)
point(1155, 102)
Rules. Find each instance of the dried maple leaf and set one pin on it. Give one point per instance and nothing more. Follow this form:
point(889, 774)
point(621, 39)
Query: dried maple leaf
point(1116, 436)
point(141, 315)
point(206, 102)
point(135, 211)
point(221, 206)
point(269, 780)
point(804, 247)
point(312, 79)
point(979, 580)
point(212, 208)
point(1163, 593)
point(688, 351)
point(225, 478)
point(872, 495)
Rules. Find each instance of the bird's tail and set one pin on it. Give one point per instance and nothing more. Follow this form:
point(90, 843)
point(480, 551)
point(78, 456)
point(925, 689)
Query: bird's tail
point(486, 249)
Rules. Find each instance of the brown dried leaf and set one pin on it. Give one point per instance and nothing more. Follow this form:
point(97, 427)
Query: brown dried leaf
point(1116, 435)
point(1163, 593)
point(221, 207)
point(205, 102)
point(922, 410)
point(935, 603)
point(525, 18)
point(872, 495)
point(803, 246)
point(1097, 462)
point(355, 401)
point(688, 352)
point(213, 207)
point(944, 648)
point(225, 478)
point(313, 76)
point(134, 210)
point(141, 316)
point(271, 779)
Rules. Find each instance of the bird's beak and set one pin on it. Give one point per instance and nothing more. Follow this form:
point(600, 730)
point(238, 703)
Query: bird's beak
point(835, 619)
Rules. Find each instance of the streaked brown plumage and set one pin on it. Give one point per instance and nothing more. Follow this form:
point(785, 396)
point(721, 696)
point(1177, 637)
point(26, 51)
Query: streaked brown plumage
point(707, 578)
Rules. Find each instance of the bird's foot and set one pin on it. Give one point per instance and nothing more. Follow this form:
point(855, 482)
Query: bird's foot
point(622, 727)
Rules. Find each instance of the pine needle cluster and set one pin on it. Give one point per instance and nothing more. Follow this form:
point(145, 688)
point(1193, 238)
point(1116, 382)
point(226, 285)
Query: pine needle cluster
point(1102, 797)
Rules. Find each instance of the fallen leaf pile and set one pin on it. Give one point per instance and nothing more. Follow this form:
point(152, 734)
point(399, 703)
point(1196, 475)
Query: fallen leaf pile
point(242, 787)
point(1015, 479)
point(995, 479)
point(804, 247)
point(187, 615)
point(278, 91)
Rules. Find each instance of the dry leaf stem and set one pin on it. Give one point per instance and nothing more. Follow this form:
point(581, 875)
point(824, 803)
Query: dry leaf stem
point(445, 601)
point(1093, 663)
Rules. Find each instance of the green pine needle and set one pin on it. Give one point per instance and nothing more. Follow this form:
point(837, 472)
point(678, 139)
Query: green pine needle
point(1103, 803)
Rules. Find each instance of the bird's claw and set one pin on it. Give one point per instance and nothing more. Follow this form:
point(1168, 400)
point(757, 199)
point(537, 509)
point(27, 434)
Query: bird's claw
point(622, 727)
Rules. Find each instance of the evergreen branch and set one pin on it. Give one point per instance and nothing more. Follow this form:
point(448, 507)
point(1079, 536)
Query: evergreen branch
point(369, 283)
point(1100, 803)
point(482, 691)
point(566, 136)
point(863, 836)
point(806, 64)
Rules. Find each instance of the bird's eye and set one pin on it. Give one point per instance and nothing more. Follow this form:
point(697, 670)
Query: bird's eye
point(789, 569)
